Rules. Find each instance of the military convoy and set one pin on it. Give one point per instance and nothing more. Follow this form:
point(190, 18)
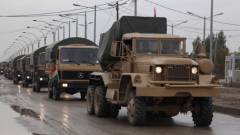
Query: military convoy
point(70, 63)
point(137, 65)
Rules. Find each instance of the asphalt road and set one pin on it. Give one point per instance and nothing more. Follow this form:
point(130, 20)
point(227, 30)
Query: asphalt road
point(42, 116)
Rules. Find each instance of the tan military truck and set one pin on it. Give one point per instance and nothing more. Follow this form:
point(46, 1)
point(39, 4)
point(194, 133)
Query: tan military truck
point(25, 70)
point(16, 69)
point(38, 69)
point(69, 63)
point(150, 73)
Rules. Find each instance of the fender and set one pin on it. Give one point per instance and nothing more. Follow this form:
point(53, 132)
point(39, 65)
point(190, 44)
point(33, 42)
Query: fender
point(105, 77)
point(138, 79)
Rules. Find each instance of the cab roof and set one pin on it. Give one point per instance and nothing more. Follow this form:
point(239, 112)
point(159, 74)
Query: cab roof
point(152, 35)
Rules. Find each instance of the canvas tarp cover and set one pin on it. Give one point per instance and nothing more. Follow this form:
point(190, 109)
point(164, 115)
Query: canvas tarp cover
point(127, 24)
point(52, 49)
point(34, 55)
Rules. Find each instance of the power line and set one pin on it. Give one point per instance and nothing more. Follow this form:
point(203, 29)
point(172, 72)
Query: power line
point(184, 13)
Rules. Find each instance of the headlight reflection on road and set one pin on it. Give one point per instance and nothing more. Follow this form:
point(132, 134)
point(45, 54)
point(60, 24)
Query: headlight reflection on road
point(29, 92)
point(19, 89)
point(42, 112)
point(65, 119)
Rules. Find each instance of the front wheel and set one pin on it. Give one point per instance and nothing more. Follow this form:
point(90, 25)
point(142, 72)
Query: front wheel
point(100, 102)
point(56, 93)
point(90, 100)
point(203, 112)
point(83, 95)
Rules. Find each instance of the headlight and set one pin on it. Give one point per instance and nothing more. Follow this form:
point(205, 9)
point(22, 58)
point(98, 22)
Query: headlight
point(64, 85)
point(28, 77)
point(158, 70)
point(19, 75)
point(40, 78)
point(194, 70)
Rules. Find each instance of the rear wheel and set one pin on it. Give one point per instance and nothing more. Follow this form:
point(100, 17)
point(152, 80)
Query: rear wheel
point(56, 93)
point(100, 102)
point(90, 100)
point(203, 112)
point(136, 109)
point(83, 95)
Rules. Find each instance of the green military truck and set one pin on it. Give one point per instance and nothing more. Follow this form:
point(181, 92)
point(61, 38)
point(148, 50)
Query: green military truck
point(25, 71)
point(38, 69)
point(69, 63)
point(16, 69)
point(150, 73)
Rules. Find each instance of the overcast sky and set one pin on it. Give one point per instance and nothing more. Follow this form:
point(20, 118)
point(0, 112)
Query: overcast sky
point(11, 28)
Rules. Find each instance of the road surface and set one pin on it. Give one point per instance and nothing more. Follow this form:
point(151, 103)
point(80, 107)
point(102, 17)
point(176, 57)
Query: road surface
point(42, 116)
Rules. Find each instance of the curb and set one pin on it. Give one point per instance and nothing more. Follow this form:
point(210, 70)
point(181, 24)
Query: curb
point(226, 110)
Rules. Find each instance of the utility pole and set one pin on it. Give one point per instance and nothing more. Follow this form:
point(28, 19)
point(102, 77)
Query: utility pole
point(204, 29)
point(69, 29)
point(117, 9)
point(77, 26)
point(54, 36)
point(172, 29)
point(85, 33)
point(38, 43)
point(211, 32)
point(95, 23)
point(135, 7)
point(45, 40)
point(58, 33)
point(63, 31)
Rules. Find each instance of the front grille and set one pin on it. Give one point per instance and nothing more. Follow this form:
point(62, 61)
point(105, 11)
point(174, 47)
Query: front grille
point(75, 75)
point(176, 73)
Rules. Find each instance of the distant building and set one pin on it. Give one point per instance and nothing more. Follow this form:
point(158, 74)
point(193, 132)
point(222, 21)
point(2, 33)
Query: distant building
point(232, 69)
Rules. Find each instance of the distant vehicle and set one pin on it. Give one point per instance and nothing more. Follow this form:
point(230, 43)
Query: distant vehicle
point(38, 69)
point(25, 71)
point(70, 63)
point(232, 70)
point(3, 66)
point(150, 73)
point(16, 70)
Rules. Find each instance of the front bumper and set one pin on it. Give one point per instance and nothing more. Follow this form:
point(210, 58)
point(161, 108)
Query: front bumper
point(179, 90)
point(74, 85)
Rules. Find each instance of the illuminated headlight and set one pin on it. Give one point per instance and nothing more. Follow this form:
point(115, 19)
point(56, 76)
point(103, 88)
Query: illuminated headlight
point(158, 70)
point(1, 71)
point(97, 61)
point(64, 85)
point(194, 70)
point(40, 78)
point(28, 77)
point(18, 75)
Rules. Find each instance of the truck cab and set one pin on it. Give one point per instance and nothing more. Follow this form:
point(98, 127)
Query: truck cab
point(70, 67)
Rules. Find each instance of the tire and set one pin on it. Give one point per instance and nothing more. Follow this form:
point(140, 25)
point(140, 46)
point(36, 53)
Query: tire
point(56, 93)
point(136, 110)
point(113, 111)
point(101, 106)
point(50, 93)
point(90, 100)
point(203, 112)
point(37, 87)
point(83, 95)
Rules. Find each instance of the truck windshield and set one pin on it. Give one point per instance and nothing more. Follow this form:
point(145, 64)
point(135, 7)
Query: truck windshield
point(150, 47)
point(79, 55)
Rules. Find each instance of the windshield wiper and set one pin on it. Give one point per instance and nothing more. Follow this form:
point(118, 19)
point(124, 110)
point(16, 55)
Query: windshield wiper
point(71, 60)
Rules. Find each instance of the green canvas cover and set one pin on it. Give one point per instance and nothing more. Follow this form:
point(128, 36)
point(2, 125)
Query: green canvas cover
point(34, 55)
point(127, 24)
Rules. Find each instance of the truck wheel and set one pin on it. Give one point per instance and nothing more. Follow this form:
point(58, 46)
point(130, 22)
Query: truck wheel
point(90, 100)
point(100, 102)
point(56, 93)
point(50, 93)
point(37, 87)
point(203, 113)
point(136, 110)
point(83, 95)
point(15, 82)
point(113, 111)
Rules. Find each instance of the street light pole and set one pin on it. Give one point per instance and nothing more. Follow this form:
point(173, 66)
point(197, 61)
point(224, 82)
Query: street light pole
point(95, 23)
point(85, 35)
point(135, 7)
point(211, 32)
point(177, 25)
